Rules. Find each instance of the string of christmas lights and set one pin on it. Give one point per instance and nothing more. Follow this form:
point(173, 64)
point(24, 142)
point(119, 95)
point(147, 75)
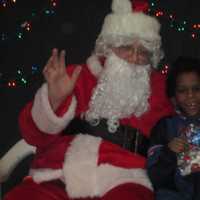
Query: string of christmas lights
point(25, 26)
point(183, 25)
point(193, 29)
point(7, 3)
point(20, 79)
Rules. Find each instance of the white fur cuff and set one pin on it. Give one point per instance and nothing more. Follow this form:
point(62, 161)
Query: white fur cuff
point(45, 118)
point(94, 65)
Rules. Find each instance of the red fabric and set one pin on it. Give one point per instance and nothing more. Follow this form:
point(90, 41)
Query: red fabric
point(50, 148)
point(29, 190)
point(111, 153)
point(129, 191)
point(52, 156)
point(140, 6)
point(29, 130)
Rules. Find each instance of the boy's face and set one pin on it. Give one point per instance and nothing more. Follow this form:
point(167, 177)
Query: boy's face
point(188, 93)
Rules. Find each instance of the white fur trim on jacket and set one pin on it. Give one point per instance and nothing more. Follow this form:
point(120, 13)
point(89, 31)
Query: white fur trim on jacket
point(45, 118)
point(13, 157)
point(41, 175)
point(84, 178)
point(94, 65)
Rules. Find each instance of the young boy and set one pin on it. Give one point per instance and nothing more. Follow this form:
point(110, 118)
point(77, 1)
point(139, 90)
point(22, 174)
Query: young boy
point(174, 153)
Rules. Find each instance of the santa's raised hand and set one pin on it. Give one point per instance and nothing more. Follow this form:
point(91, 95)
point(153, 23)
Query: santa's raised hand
point(60, 85)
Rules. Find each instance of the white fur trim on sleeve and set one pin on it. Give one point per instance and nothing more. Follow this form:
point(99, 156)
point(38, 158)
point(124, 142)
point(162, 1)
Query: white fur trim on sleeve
point(94, 65)
point(13, 157)
point(85, 178)
point(45, 118)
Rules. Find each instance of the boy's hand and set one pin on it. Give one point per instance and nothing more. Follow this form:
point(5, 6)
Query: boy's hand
point(178, 145)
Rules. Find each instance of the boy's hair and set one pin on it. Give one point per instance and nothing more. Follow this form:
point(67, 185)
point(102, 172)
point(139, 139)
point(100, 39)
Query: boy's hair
point(181, 65)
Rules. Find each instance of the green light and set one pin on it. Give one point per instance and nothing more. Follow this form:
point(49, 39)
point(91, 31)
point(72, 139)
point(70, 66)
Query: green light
point(23, 80)
point(47, 12)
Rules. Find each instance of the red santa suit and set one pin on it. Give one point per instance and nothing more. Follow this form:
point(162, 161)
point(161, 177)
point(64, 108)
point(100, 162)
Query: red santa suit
point(84, 166)
point(90, 167)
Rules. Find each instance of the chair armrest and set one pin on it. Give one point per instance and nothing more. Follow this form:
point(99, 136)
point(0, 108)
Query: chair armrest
point(13, 157)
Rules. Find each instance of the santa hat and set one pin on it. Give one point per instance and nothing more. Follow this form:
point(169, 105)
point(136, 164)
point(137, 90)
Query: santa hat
point(127, 23)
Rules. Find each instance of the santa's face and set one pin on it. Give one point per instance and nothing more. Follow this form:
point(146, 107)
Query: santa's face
point(122, 90)
point(133, 54)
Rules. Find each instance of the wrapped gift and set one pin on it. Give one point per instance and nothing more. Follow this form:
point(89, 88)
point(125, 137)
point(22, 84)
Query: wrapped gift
point(189, 160)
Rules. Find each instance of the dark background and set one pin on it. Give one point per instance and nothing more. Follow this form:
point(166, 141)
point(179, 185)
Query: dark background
point(74, 27)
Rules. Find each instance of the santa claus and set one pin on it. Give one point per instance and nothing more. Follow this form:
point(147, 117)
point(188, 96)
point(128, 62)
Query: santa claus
point(116, 98)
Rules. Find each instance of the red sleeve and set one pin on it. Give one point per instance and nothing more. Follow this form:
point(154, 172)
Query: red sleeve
point(29, 130)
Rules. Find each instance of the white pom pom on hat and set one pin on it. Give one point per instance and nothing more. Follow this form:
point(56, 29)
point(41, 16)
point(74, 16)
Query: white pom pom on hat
point(121, 6)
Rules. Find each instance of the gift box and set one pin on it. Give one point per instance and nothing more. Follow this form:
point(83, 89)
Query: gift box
point(189, 160)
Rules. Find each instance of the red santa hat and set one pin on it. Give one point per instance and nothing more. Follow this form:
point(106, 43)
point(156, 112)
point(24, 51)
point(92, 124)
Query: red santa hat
point(128, 22)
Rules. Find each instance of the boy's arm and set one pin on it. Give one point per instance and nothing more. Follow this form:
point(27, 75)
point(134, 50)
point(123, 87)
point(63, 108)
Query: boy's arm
point(161, 160)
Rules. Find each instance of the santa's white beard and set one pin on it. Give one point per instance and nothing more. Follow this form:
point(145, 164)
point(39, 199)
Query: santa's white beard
point(123, 89)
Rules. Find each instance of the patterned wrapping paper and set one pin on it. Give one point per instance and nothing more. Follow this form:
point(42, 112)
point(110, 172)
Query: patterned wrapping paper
point(189, 160)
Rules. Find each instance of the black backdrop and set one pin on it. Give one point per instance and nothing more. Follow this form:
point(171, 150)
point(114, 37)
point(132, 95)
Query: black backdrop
point(74, 28)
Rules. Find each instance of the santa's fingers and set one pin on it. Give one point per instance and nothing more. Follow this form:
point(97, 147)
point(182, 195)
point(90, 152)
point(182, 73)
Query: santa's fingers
point(76, 73)
point(55, 60)
point(49, 62)
point(52, 62)
point(49, 74)
point(61, 60)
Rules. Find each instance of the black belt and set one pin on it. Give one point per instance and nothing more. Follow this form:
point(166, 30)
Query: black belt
point(125, 136)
